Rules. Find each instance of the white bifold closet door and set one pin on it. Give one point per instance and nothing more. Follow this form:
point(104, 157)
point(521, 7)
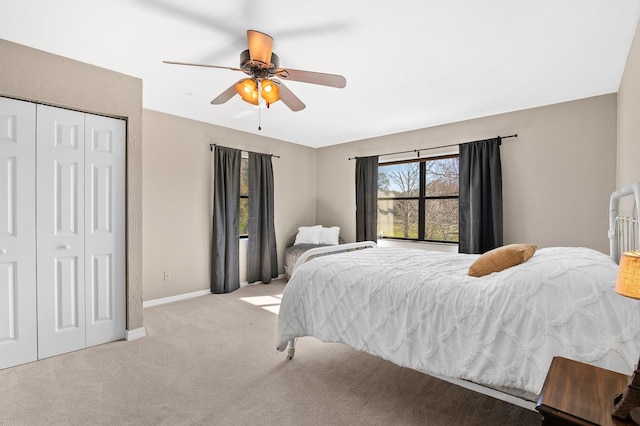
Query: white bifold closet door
point(61, 194)
point(80, 238)
point(62, 231)
point(18, 320)
point(104, 237)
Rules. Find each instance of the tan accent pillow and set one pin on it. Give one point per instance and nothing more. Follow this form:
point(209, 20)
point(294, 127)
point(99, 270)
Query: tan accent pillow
point(501, 258)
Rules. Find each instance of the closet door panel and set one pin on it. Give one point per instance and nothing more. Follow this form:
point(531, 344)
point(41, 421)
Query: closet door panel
point(18, 326)
point(105, 228)
point(60, 239)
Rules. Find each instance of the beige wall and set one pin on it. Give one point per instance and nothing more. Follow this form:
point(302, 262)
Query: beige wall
point(177, 198)
point(557, 174)
point(34, 75)
point(629, 118)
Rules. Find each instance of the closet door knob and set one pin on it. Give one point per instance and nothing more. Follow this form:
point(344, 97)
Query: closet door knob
point(65, 247)
point(3, 251)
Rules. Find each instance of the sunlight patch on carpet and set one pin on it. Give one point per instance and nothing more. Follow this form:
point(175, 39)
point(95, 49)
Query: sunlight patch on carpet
point(269, 303)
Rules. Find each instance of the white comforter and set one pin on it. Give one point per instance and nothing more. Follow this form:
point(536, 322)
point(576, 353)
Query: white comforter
point(420, 309)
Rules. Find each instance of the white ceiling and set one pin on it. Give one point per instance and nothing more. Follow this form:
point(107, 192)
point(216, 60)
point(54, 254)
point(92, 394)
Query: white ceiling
point(409, 64)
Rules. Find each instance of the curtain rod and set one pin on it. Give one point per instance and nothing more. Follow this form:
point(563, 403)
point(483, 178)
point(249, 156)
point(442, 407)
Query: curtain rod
point(417, 151)
point(211, 146)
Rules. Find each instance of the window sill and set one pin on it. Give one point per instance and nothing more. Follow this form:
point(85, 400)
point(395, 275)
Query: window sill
point(418, 245)
point(411, 240)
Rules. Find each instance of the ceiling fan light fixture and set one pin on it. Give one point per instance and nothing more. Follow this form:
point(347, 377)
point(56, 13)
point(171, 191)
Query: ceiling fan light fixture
point(247, 89)
point(270, 91)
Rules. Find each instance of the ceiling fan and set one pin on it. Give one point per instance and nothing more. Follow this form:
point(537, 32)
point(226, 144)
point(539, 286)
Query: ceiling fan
point(262, 65)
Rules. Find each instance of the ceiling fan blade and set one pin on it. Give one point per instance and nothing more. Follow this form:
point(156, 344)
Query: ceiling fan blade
point(202, 65)
point(288, 98)
point(226, 95)
point(332, 80)
point(260, 45)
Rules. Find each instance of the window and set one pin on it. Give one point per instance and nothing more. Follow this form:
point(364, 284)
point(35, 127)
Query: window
point(418, 199)
point(244, 196)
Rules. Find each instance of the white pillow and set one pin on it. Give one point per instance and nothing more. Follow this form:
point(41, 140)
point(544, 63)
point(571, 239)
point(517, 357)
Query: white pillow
point(330, 235)
point(308, 235)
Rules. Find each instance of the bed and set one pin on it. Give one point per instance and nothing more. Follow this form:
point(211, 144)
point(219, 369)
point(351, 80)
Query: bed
point(294, 250)
point(497, 333)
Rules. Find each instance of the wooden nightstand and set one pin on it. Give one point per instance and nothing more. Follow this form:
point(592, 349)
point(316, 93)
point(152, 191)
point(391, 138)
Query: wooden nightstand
point(580, 394)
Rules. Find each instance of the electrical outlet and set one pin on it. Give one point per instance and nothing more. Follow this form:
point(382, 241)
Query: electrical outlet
point(167, 276)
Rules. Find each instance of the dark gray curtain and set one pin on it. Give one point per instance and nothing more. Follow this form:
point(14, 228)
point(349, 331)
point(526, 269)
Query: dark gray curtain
point(367, 198)
point(480, 214)
point(262, 258)
point(225, 262)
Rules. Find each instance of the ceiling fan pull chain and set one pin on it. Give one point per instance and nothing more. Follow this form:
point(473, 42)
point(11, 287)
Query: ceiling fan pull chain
point(259, 104)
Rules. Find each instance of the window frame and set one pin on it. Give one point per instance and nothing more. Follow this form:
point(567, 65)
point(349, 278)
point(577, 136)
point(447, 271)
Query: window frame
point(422, 197)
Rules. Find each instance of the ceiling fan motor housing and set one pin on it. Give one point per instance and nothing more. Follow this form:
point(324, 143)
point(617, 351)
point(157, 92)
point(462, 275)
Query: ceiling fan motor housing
point(258, 69)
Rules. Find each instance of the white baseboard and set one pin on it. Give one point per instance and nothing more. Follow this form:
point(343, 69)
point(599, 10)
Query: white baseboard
point(162, 301)
point(134, 334)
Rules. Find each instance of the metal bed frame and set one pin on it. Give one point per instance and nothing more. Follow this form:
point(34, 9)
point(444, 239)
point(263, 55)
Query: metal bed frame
point(623, 229)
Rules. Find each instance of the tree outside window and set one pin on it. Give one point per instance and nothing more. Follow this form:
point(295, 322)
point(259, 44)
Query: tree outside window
point(418, 199)
point(244, 197)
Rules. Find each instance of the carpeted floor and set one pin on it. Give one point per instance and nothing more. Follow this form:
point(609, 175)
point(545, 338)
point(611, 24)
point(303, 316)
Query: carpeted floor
point(212, 361)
